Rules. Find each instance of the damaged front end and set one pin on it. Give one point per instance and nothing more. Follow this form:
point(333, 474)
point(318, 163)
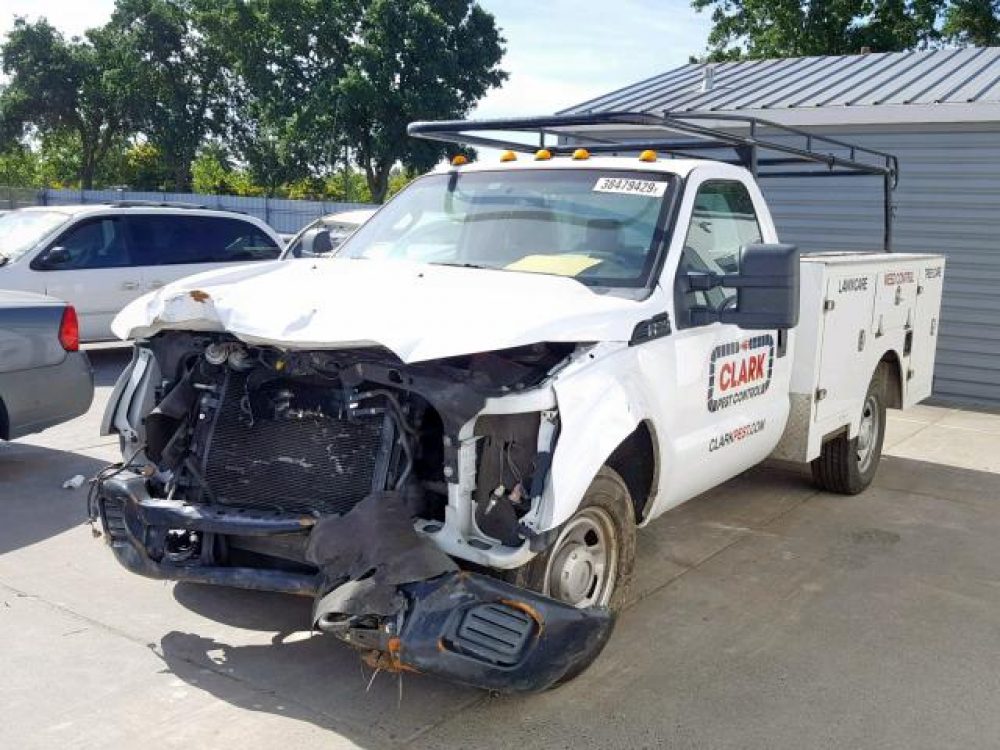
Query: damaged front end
point(376, 486)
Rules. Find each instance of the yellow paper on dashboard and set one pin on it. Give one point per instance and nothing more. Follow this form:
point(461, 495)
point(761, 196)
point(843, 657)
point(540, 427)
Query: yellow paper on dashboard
point(562, 265)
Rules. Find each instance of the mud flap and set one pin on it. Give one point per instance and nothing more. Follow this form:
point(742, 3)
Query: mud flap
point(481, 632)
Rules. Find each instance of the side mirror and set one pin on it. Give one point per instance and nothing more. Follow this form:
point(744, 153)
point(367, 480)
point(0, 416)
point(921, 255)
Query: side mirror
point(767, 289)
point(56, 257)
point(316, 241)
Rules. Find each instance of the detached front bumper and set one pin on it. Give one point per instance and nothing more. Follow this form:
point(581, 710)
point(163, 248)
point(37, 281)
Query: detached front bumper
point(462, 626)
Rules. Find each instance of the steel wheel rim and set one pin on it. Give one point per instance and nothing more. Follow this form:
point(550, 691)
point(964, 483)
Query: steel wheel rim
point(868, 433)
point(583, 567)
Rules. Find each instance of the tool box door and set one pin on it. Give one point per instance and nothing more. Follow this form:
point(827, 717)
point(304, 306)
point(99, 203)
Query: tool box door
point(847, 324)
point(922, 339)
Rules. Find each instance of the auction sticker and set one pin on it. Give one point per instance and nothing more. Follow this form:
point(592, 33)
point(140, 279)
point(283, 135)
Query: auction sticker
point(740, 371)
point(627, 186)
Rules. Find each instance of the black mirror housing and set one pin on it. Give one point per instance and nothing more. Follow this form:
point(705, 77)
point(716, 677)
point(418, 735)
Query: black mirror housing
point(54, 258)
point(767, 289)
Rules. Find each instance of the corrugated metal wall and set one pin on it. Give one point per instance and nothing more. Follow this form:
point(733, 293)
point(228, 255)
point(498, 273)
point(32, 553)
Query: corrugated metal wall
point(286, 216)
point(948, 201)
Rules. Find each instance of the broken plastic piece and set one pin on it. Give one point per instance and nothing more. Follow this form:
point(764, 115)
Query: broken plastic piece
point(74, 482)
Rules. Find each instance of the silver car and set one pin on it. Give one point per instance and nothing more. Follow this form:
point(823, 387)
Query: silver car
point(44, 377)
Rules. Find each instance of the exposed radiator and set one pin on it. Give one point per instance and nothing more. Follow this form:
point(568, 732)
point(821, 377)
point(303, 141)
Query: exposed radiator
point(310, 464)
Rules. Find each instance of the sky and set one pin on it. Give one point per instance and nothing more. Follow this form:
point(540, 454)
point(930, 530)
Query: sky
point(559, 52)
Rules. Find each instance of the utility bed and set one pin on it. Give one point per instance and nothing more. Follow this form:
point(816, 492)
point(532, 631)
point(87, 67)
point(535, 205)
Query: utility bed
point(848, 300)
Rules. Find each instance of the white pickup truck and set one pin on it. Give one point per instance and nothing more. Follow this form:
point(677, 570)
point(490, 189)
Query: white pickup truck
point(449, 432)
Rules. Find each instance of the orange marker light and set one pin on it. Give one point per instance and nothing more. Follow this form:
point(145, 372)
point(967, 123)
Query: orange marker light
point(458, 160)
point(581, 153)
point(647, 155)
point(508, 156)
point(543, 154)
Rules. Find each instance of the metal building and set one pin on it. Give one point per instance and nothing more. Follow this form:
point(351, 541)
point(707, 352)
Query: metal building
point(939, 112)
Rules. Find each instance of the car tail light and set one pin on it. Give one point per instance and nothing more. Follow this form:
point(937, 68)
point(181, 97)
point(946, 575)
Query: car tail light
point(69, 330)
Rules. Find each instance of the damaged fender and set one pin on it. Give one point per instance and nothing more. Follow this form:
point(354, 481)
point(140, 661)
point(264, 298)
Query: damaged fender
point(600, 405)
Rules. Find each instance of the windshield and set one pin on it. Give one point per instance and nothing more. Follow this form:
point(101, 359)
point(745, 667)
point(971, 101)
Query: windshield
point(22, 230)
point(597, 226)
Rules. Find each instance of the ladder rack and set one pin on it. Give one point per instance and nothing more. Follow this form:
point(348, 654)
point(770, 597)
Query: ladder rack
point(798, 153)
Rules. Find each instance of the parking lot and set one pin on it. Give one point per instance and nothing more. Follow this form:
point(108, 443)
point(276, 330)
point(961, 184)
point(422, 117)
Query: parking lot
point(764, 615)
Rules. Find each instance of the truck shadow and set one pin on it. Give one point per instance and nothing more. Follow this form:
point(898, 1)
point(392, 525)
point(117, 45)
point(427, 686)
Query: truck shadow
point(318, 680)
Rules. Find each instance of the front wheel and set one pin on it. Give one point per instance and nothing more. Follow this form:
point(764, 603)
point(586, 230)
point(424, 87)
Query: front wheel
point(848, 466)
point(591, 561)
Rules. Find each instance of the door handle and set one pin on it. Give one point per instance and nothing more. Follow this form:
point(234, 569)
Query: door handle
point(130, 286)
point(155, 284)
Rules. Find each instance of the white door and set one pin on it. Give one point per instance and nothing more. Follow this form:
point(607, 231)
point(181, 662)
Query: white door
point(729, 402)
point(170, 246)
point(89, 266)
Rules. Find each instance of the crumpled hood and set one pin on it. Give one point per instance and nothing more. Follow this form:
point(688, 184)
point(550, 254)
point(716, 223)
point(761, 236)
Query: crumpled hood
point(418, 311)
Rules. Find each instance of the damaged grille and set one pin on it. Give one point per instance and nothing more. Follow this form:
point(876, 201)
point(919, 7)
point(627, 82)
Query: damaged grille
point(300, 461)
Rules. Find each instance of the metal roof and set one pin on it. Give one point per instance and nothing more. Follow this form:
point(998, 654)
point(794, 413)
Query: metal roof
point(936, 85)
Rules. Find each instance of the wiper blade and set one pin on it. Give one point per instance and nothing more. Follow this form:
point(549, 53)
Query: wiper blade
point(462, 265)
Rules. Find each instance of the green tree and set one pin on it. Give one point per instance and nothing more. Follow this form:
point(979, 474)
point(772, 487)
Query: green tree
point(427, 59)
point(77, 86)
point(792, 28)
point(284, 58)
point(18, 166)
point(178, 77)
point(975, 22)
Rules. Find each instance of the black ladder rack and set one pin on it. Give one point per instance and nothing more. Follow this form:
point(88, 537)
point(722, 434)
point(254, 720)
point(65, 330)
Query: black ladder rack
point(799, 153)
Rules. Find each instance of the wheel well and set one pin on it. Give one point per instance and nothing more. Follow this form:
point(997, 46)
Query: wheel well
point(635, 461)
point(894, 384)
point(4, 422)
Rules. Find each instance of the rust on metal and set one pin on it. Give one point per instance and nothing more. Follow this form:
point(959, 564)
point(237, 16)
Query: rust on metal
point(528, 610)
point(199, 296)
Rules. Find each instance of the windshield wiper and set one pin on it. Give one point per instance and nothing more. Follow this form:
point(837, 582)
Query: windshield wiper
point(461, 265)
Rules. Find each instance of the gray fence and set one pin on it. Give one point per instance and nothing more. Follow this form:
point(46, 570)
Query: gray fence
point(14, 197)
point(286, 216)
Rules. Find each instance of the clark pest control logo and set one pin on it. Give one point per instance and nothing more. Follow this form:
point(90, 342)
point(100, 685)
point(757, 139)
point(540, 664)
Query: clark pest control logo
point(739, 371)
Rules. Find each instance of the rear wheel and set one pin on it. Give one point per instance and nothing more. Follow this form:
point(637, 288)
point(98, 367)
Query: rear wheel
point(848, 466)
point(592, 559)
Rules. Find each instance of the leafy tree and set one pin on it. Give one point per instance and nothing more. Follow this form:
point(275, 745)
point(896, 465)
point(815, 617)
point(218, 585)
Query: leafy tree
point(284, 58)
point(427, 59)
point(975, 22)
point(18, 166)
point(178, 77)
point(77, 86)
point(142, 167)
point(791, 28)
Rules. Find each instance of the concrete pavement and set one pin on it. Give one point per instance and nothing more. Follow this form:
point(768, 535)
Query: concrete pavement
point(765, 615)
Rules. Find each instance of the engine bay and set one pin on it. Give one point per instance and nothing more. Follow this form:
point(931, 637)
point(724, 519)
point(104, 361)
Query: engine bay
point(315, 432)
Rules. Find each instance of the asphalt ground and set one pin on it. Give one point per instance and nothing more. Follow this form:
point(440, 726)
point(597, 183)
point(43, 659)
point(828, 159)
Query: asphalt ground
point(765, 615)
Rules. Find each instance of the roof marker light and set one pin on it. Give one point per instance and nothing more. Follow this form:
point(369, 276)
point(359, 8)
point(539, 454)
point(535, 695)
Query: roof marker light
point(508, 156)
point(581, 153)
point(647, 155)
point(458, 160)
point(543, 154)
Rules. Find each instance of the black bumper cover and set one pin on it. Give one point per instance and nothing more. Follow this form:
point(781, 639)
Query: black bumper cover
point(462, 626)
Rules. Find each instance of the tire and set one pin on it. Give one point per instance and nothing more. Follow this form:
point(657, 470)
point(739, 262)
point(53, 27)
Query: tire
point(606, 507)
point(846, 466)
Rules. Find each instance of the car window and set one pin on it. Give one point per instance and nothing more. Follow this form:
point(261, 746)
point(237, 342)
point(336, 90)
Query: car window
point(93, 243)
point(722, 221)
point(170, 239)
point(21, 231)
